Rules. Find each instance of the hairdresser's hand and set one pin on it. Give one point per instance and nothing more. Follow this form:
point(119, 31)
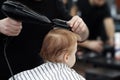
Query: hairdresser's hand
point(78, 26)
point(110, 42)
point(10, 27)
point(95, 45)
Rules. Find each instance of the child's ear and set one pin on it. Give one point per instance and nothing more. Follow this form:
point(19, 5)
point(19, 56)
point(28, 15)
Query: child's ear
point(66, 57)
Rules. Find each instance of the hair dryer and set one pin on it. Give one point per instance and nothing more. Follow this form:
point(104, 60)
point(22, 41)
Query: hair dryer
point(20, 12)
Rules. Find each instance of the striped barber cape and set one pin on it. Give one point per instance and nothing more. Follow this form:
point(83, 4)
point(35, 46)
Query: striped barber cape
point(49, 71)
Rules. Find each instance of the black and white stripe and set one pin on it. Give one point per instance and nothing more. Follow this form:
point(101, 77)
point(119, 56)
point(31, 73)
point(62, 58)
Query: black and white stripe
point(49, 71)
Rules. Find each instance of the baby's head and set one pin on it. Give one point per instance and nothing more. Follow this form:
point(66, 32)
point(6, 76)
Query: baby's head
point(60, 46)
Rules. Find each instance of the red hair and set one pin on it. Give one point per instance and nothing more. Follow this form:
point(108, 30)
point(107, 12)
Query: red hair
point(55, 42)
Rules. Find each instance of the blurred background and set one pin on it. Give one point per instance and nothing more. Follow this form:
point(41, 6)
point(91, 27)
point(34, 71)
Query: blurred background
point(98, 58)
point(92, 63)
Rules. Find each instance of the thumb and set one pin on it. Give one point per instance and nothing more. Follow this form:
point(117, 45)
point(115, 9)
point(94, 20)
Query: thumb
point(70, 23)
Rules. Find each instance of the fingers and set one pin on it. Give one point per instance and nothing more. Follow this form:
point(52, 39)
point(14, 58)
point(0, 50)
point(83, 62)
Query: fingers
point(12, 31)
point(99, 46)
point(71, 22)
point(10, 27)
point(75, 22)
point(99, 49)
point(95, 46)
point(13, 28)
point(100, 42)
point(78, 26)
point(110, 42)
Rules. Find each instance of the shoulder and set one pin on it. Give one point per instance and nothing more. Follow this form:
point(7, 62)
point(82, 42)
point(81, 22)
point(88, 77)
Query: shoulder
point(49, 71)
point(26, 75)
point(75, 75)
point(37, 73)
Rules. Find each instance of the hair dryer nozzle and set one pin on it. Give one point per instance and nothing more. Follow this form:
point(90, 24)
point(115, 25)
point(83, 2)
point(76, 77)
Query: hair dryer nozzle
point(61, 23)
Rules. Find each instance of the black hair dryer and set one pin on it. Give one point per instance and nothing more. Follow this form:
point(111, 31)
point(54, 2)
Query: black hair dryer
point(20, 12)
